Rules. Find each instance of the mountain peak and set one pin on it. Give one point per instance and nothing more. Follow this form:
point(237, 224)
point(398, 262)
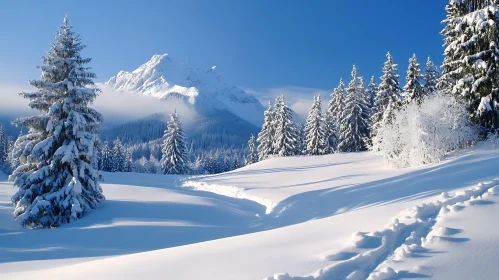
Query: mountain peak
point(165, 78)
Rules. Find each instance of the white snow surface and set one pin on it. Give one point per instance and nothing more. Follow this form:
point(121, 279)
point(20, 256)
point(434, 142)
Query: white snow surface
point(164, 78)
point(342, 216)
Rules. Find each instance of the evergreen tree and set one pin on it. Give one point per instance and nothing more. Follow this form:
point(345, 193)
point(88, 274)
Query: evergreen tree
point(331, 133)
point(388, 90)
point(235, 162)
point(453, 53)
point(252, 152)
point(118, 157)
point(365, 104)
point(430, 77)
point(354, 129)
point(332, 121)
point(472, 57)
point(337, 103)
point(371, 92)
point(174, 158)
point(267, 135)
point(300, 139)
point(413, 91)
point(314, 129)
point(286, 131)
point(56, 180)
point(106, 157)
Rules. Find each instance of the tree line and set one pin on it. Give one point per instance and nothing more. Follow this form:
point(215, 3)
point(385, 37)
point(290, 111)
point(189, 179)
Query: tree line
point(351, 118)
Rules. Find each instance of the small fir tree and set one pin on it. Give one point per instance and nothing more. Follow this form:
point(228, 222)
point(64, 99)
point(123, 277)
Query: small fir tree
point(174, 158)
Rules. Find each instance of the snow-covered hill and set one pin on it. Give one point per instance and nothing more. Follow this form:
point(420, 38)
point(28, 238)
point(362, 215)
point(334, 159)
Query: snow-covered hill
point(166, 78)
point(328, 217)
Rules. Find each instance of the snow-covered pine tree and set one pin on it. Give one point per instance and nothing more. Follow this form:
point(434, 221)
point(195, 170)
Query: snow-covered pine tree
point(413, 91)
point(365, 104)
point(388, 90)
point(118, 157)
point(430, 77)
point(174, 158)
point(266, 135)
point(300, 139)
point(235, 163)
point(332, 118)
point(453, 52)
point(337, 103)
point(354, 130)
point(252, 152)
point(330, 133)
point(106, 157)
point(314, 129)
point(285, 143)
point(56, 180)
point(472, 57)
point(371, 91)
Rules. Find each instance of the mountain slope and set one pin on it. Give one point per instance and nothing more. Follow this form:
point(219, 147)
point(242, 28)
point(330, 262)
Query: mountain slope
point(166, 79)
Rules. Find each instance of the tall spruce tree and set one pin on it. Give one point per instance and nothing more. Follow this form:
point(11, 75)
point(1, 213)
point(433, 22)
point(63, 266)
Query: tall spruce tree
point(388, 90)
point(413, 91)
point(431, 77)
point(453, 52)
point(314, 129)
point(365, 104)
point(354, 130)
point(267, 135)
point(56, 180)
point(331, 133)
point(472, 57)
point(252, 152)
point(300, 139)
point(337, 103)
point(285, 143)
point(174, 158)
point(371, 91)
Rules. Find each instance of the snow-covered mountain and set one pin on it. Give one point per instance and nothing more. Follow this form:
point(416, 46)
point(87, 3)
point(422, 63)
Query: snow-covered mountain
point(165, 78)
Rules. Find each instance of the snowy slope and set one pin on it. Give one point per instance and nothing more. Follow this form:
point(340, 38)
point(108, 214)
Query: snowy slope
point(165, 78)
point(329, 217)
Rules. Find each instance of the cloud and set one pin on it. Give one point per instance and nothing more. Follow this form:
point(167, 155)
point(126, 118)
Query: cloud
point(11, 104)
point(116, 107)
point(298, 98)
point(120, 107)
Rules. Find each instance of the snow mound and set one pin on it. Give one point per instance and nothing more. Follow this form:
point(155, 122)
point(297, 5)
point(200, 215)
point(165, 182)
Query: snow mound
point(229, 191)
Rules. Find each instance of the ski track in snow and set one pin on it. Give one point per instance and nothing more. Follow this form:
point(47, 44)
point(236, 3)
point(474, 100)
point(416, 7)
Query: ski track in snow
point(405, 237)
point(230, 191)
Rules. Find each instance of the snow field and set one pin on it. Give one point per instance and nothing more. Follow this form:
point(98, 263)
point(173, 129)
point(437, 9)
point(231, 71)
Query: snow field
point(400, 240)
point(328, 217)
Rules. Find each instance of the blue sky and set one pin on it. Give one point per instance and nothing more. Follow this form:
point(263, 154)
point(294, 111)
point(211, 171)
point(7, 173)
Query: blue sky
point(258, 44)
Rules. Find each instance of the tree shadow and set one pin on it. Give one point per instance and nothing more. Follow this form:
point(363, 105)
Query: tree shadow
point(125, 227)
